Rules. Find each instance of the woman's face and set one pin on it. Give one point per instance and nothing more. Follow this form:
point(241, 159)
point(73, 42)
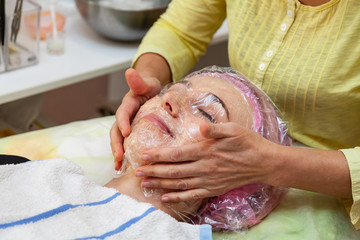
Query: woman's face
point(172, 118)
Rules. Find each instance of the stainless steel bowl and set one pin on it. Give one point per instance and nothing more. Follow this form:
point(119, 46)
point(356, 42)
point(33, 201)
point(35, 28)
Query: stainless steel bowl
point(109, 19)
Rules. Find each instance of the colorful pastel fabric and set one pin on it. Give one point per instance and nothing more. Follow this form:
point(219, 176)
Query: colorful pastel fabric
point(87, 143)
point(305, 58)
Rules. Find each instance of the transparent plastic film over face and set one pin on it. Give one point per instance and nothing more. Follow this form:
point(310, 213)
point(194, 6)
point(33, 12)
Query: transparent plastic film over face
point(172, 119)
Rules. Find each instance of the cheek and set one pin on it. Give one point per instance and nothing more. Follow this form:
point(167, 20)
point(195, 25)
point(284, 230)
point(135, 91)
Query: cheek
point(153, 105)
point(189, 131)
point(144, 136)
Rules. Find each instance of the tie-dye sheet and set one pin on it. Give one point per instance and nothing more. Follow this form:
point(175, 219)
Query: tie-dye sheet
point(300, 215)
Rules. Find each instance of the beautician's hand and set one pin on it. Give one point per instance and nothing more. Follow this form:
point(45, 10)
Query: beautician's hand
point(141, 89)
point(152, 72)
point(232, 156)
point(229, 157)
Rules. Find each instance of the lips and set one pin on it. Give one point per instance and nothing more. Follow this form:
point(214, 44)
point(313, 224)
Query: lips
point(157, 121)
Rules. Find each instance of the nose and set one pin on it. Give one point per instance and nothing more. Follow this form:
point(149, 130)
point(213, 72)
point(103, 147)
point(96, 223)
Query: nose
point(171, 103)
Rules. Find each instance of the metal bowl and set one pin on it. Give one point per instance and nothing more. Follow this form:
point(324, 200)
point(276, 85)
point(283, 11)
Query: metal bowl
point(117, 21)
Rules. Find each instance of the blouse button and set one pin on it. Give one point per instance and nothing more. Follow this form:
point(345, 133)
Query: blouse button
point(262, 66)
point(290, 13)
point(269, 53)
point(283, 27)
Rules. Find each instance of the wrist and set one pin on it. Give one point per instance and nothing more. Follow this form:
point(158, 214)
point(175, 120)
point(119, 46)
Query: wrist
point(277, 173)
point(323, 171)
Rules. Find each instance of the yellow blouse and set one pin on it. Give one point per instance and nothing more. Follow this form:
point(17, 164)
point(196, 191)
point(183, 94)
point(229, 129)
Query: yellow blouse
point(307, 59)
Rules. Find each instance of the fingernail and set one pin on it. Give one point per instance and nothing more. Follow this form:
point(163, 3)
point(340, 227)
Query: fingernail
point(146, 157)
point(139, 173)
point(116, 166)
point(165, 199)
point(145, 184)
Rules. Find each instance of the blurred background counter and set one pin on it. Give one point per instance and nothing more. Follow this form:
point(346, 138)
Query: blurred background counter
point(86, 81)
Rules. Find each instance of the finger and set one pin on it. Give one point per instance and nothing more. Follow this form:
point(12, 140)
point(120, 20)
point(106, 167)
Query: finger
point(181, 196)
point(135, 82)
point(189, 152)
point(116, 143)
point(148, 86)
point(183, 170)
point(118, 165)
point(140, 92)
point(127, 110)
point(174, 184)
point(131, 101)
point(222, 130)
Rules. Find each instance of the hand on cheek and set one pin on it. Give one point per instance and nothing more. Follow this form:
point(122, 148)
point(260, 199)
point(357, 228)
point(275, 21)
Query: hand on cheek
point(140, 91)
point(227, 158)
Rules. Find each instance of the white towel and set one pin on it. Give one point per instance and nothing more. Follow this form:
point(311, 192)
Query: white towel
point(52, 199)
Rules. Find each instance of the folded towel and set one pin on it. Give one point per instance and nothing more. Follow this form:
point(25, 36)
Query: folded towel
point(52, 199)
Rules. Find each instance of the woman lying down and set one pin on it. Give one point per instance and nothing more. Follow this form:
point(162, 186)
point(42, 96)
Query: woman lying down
point(51, 199)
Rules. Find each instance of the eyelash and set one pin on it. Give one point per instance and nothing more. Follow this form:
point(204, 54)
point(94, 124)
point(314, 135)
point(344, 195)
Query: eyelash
point(208, 116)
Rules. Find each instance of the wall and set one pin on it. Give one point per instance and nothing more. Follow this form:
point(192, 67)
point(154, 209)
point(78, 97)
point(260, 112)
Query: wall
point(101, 96)
point(75, 102)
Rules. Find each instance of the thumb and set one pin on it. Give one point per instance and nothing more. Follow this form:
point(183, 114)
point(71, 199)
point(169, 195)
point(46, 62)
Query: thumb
point(139, 85)
point(221, 130)
point(135, 82)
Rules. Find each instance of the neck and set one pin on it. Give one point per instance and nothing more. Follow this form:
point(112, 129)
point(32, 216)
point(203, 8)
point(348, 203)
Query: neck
point(130, 185)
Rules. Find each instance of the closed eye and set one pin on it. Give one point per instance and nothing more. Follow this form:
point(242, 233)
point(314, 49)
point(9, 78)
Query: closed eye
point(208, 116)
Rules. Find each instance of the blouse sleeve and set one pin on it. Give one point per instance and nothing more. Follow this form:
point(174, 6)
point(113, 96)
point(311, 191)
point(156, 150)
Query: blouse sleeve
point(183, 32)
point(353, 207)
